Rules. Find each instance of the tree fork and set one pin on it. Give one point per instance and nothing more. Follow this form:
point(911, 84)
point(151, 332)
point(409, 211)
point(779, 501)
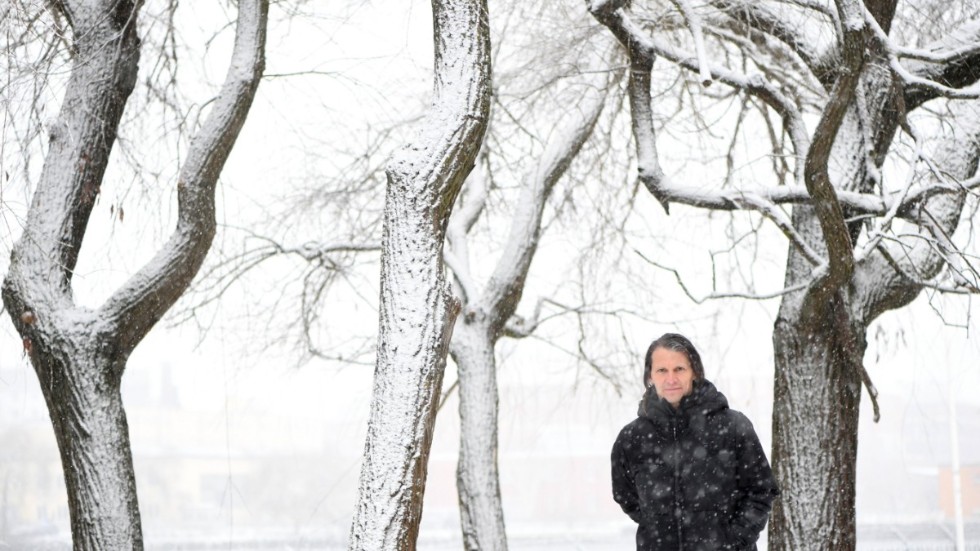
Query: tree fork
point(80, 354)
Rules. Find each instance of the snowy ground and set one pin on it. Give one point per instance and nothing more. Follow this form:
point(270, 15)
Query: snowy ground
point(877, 537)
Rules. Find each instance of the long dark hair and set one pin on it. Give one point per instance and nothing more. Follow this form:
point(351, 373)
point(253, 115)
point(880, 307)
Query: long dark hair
point(677, 343)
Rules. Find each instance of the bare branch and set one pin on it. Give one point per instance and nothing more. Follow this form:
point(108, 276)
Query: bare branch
point(444, 397)
point(642, 49)
point(518, 327)
point(715, 296)
point(840, 250)
point(461, 273)
point(506, 284)
point(953, 68)
point(906, 263)
point(471, 207)
point(756, 84)
point(694, 24)
point(106, 51)
point(778, 217)
point(961, 288)
point(472, 202)
point(143, 300)
point(758, 17)
point(923, 84)
point(584, 356)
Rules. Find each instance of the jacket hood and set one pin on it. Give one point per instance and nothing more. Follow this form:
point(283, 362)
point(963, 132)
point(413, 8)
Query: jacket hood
point(704, 399)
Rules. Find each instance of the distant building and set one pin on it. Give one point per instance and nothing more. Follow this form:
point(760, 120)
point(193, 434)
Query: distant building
point(969, 490)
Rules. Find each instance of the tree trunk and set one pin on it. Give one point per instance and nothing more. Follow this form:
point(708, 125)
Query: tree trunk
point(417, 310)
point(477, 476)
point(85, 405)
point(815, 421)
point(80, 354)
point(818, 349)
point(487, 315)
point(416, 320)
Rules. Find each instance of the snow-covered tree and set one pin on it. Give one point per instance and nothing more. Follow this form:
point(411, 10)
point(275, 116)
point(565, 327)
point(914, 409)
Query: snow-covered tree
point(488, 313)
point(417, 309)
point(80, 353)
point(873, 125)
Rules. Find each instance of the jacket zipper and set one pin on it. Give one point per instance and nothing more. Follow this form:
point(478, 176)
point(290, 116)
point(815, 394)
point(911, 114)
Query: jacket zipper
point(677, 489)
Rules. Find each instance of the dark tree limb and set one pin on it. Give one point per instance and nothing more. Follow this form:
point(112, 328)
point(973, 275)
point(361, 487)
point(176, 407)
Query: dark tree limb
point(840, 250)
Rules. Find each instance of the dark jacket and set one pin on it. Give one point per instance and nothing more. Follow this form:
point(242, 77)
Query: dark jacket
point(694, 478)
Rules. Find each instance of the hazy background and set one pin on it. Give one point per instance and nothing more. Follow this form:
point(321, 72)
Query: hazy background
point(228, 449)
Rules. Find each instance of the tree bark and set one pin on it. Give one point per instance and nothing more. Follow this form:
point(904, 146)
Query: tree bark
point(819, 339)
point(815, 418)
point(417, 310)
point(820, 334)
point(487, 313)
point(477, 478)
point(85, 406)
point(79, 355)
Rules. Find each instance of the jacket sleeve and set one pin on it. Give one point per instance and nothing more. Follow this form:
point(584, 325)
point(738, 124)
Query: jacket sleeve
point(623, 485)
point(756, 484)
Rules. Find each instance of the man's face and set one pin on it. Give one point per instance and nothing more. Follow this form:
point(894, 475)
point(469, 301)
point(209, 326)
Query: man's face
point(671, 375)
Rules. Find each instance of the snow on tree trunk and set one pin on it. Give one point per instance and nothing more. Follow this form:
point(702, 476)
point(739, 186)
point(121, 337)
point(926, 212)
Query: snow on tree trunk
point(818, 361)
point(489, 314)
point(417, 310)
point(815, 419)
point(79, 354)
point(820, 334)
point(90, 427)
point(477, 481)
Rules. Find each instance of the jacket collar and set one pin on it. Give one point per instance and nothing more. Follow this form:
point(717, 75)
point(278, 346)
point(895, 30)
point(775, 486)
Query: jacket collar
point(703, 400)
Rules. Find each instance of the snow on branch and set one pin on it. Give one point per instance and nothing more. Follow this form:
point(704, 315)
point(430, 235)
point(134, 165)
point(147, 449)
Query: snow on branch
point(506, 284)
point(640, 43)
point(143, 300)
point(642, 49)
point(756, 16)
point(471, 204)
point(818, 190)
point(961, 285)
point(905, 263)
point(105, 57)
point(912, 80)
point(694, 24)
point(876, 233)
point(461, 273)
point(473, 199)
